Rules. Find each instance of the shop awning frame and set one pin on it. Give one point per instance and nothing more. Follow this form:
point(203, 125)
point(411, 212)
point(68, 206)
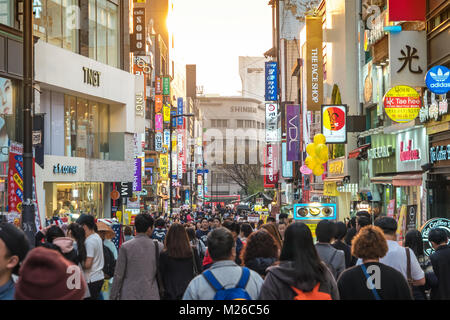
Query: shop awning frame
point(356, 152)
point(407, 180)
point(381, 180)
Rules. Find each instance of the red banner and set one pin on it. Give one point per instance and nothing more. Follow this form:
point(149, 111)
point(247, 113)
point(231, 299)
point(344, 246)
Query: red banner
point(271, 167)
point(158, 85)
point(407, 10)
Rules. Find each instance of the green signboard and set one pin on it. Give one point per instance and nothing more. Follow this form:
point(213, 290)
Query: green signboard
point(166, 86)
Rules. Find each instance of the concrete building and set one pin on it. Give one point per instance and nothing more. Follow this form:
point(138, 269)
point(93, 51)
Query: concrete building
point(234, 135)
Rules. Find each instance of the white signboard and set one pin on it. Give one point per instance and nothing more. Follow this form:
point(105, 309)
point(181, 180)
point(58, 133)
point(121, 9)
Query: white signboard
point(408, 58)
point(272, 132)
point(411, 150)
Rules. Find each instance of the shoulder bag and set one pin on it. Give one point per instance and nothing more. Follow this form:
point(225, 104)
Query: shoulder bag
point(159, 280)
point(408, 270)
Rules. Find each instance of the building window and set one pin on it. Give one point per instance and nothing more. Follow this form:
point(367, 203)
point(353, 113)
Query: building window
point(240, 123)
point(7, 12)
point(90, 28)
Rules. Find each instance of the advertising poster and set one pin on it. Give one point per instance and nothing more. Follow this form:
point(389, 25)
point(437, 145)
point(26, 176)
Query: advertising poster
point(293, 132)
point(334, 123)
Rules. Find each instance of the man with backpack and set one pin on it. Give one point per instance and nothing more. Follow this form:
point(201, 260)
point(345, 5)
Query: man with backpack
point(93, 266)
point(333, 258)
point(224, 280)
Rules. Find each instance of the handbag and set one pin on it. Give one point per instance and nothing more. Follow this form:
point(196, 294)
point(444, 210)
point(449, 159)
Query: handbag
point(162, 291)
point(408, 270)
point(195, 267)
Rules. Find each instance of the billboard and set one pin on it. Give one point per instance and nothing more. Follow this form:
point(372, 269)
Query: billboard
point(293, 132)
point(314, 63)
point(334, 123)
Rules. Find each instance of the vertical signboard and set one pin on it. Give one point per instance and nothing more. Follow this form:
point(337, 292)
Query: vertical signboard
point(166, 86)
point(158, 122)
point(137, 182)
point(166, 112)
point(158, 141)
point(314, 63)
point(272, 122)
point(271, 173)
point(271, 81)
point(158, 85)
point(334, 123)
point(287, 168)
point(164, 166)
point(166, 140)
point(180, 110)
point(158, 103)
point(293, 132)
point(138, 36)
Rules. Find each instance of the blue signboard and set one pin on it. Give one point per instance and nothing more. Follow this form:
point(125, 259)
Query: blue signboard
point(287, 165)
point(438, 79)
point(315, 211)
point(180, 110)
point(271, 80)
point(174, 120)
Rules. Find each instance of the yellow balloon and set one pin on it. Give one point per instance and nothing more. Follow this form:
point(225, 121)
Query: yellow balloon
point(324, 158)
point(318, 170)
point(309, 162)
point(319, 139)
point(311, 149)
point(320, 150)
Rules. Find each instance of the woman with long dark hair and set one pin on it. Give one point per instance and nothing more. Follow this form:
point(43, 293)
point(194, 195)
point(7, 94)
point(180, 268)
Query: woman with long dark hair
point(76, 232)
point(260, 252)
point(179, 263)
point(414, 241)
point(300, 273)
point(273, 230)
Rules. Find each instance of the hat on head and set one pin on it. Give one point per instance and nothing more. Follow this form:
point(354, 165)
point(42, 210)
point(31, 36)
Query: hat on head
point(103, 227)
point(386, 224)
point(47, 275)
point(15, 240)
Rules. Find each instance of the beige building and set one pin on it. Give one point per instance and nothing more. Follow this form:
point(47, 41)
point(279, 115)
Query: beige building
point(233, 135)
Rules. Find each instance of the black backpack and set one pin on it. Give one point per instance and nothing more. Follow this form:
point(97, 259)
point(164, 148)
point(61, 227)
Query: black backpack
point(109, 262)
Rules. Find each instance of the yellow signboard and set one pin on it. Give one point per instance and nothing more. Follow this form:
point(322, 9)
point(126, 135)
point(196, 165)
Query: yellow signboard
point(166, 112)
point(164, 166)
point(330, 189)
point(312, 227)
point(402, 104)
point(314, 63)
point(336, 167)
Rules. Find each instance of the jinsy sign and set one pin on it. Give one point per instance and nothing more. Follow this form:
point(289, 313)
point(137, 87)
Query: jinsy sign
point(402, 104)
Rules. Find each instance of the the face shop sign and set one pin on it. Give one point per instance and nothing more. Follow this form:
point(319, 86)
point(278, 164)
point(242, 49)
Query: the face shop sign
point(439, 153)
point(60, 169)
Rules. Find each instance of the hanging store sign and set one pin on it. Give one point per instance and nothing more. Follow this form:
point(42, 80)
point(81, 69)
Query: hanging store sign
point(158, 141)
point(158, 122)
point(158, 85)
point(408, 58)
point(315, 211)
point(412, 147)
point(272, 122)
point(271, 173)
point(439, 153)
point(438, 80)
point(402, 104)
point(407, 10)
point(166, 86)
point(166, 112)
point(180, 110)
point(158, 103)
point(271, 78)
point(433, 111)
point(293, 132)
point(334, 123)
point(314, 63)
point(330, 189)
point(164, 166)
point(166, 140)
point(137, 45)
point(287, 167)
point(137, 182)
point(336, 168)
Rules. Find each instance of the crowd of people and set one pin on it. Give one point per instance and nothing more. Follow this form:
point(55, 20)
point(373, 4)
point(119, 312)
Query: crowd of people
point(197, 255)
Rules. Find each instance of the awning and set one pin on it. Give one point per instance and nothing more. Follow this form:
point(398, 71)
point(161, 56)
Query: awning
point(381, 180)
point(406, 180)
point(355, 153)
point(334, 179)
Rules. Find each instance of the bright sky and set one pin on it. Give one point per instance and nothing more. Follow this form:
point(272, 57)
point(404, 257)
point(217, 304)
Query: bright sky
point(213, 34)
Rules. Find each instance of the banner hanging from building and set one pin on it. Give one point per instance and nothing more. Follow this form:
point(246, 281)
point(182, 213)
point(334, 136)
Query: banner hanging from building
point(271, 78)
point(158, 85)
point(180, 110)
point(293, 132)
point(137, 181)
point(158, 122)
point(138, 36)
point(334, 123)
point(271, 173)
point(166, 112)
point(166, 86)
point(314, 63)
point(166, 138)
point(164, 166)
point(272, 122)
point(158, 103)
point(158, 141)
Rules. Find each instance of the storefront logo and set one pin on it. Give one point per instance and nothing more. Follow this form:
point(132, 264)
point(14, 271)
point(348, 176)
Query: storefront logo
point(380, 152)
point(91, 77)
point(439, 153)
point(60, 169)
point(407, 58)
point(438, 80)
point(140, 104)
point(408, 154)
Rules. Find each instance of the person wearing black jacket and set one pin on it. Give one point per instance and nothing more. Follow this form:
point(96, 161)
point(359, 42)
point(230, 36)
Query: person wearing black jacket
point(341, 231)
point(179, 263)
point(440, 260)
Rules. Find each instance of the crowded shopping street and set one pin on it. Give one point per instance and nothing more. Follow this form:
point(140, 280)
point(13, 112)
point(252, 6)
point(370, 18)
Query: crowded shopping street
point(193, 151)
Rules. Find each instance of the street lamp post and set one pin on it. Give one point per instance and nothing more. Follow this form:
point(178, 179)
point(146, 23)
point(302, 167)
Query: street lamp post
point(170, 155)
